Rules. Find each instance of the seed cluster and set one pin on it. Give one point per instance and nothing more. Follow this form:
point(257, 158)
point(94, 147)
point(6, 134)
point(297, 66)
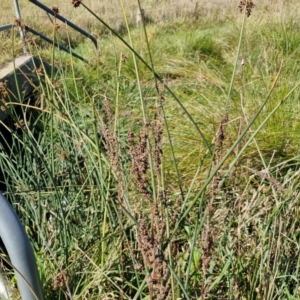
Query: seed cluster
point(249, 6)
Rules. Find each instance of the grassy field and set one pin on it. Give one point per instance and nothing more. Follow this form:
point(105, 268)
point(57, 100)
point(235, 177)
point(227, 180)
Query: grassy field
point(167, 167)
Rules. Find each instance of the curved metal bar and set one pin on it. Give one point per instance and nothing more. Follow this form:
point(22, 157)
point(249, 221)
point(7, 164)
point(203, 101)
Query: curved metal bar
point(72, 25)
point(55, 43)
point(20, 252)
point(6, 27)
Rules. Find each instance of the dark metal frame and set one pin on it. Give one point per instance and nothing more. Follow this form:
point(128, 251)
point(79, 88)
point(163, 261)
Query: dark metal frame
point(6, 27)
point(24, 28)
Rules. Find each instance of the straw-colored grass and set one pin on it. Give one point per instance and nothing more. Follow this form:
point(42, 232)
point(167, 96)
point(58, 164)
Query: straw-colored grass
point(159, 12)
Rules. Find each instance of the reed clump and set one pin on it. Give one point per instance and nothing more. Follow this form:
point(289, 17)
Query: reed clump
point(167, 168)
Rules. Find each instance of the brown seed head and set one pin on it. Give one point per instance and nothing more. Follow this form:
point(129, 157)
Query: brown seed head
point(124, 57)
point(55, 9)
point(20, 124)
point(61, 280)
point(56, 26)
point(249, 6)
point(76, 3)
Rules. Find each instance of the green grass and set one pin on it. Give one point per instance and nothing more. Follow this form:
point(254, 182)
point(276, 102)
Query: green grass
point(130, 181)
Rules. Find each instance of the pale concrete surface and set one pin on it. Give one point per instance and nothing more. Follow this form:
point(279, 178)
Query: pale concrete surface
point(20, 75)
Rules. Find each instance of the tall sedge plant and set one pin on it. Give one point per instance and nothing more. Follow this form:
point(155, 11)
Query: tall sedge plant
point(95, 193)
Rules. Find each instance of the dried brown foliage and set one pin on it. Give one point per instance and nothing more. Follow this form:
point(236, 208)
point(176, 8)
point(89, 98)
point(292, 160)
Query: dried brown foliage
point(139, 160)
point(145, 149)
point(111, 144)
point(207, 240)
